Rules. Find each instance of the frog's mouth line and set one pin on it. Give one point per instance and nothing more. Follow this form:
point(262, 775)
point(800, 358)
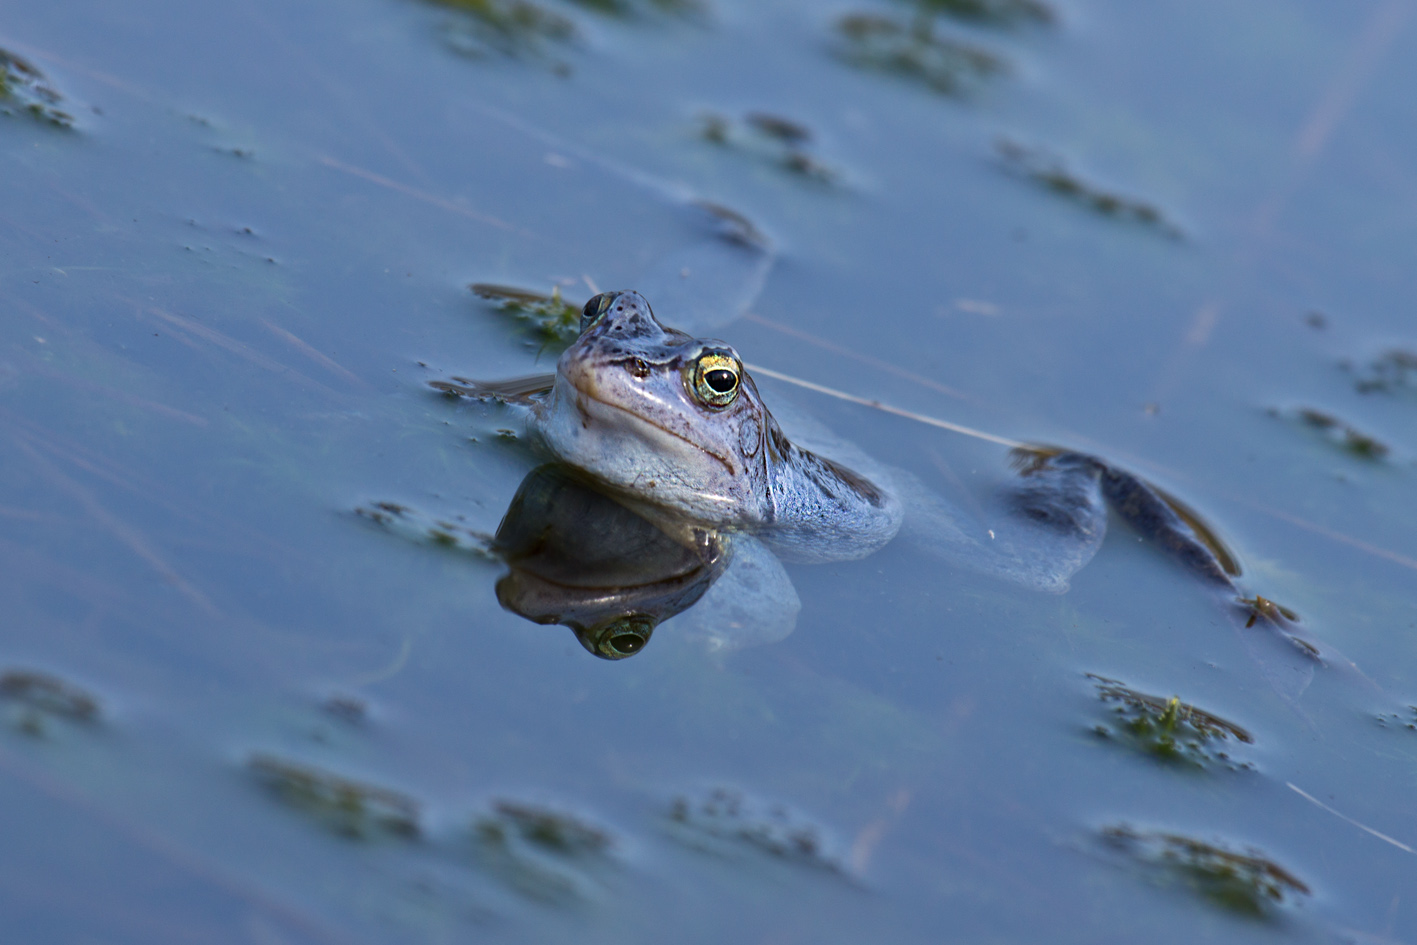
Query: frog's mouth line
point(648, 422)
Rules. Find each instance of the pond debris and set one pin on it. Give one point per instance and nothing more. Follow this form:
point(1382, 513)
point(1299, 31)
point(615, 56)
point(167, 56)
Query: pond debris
point(512, 390)
point(347, 807)
point(349, 709)
point(630, 8)
point(1406, 720)
point(1249, 883)
point(439, 532)
point(1002, 13)
point(511, 28)
point(1262, 608)
point(554, 831)
point(25, 90)
point(1167, 728)
point(1046, 169)
point(37, 696)
point(1337, 432)
point(551, 319)
point(546, 854)
point(1392, 371)
point(774, 140)
point(1280, 618)
point(726, 822)
point(916, 51)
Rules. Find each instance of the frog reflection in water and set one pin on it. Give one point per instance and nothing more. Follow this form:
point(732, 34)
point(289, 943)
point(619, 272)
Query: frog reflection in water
point(674, 429)
point(580, 558)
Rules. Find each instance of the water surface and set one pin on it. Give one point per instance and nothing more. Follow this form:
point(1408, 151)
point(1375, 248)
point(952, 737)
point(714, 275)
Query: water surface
point(1157, 232)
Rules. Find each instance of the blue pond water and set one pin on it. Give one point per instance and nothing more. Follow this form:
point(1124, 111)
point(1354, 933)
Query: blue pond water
point(232, 709)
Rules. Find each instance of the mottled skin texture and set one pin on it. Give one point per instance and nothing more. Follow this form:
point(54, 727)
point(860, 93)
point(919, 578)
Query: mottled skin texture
point(626, 408)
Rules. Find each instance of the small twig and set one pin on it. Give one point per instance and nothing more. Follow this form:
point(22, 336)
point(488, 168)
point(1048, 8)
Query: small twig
point(1344, 817)
point(315, 355)
point(886, 408)
point(125, 533)
point(417, 194)
point(878, 363)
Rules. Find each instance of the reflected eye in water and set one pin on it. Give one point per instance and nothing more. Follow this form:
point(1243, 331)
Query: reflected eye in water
point(716, 378)
point(619, 638)
point(596, 307)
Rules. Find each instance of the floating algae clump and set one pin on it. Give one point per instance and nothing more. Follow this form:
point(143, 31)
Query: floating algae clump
point(992, 12)
point(915, 51)
point(1167, 728)
point(1048, 171)
point(24, 89)
point(550, 318)
point(1249, 883)
point(347, 807)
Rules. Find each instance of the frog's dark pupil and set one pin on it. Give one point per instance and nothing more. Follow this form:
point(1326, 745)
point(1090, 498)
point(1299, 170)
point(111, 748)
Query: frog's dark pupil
point(720, 380)
point(626, 643)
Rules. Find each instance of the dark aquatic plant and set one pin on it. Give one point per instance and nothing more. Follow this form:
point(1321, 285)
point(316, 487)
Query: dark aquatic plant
point(550, 318)
point(48, 693)
point(1392, 371)
point(725, 819)
point(1040, 166)
point(25, 88)
point(546, 854)
point(38, 697)
point(1338, 432)
point(992, 12)
point(1168, 729)
point(916, 51)
point(510, 27)
point(628, 8)
point(345, 806)
point(1249, 883)
point(772, 139)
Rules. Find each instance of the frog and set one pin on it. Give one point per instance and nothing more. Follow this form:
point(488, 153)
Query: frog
point(674, 427)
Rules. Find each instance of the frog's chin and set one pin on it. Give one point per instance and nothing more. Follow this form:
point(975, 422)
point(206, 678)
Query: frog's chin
point(640, 457)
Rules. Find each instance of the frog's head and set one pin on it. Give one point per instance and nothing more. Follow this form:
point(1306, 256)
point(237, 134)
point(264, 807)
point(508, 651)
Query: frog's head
point(662, 416)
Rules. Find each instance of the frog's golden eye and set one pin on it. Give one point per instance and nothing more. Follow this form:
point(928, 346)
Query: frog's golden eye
point(717, 377)
point(596, 307)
